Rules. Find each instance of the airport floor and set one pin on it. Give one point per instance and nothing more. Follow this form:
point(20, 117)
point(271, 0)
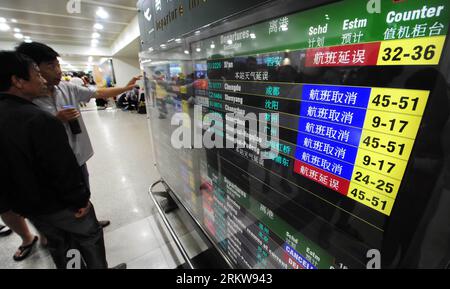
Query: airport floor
point(121, 172)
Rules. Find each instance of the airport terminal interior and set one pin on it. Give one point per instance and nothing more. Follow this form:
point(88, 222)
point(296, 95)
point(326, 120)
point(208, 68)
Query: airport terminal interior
point(257, 134)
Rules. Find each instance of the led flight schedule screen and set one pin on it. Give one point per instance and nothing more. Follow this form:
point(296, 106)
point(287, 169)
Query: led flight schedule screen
point(347, 157)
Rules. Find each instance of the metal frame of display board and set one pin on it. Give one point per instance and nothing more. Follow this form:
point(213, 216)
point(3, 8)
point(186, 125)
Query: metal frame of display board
point(237, 20)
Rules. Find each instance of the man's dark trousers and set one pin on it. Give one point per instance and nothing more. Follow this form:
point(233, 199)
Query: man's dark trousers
point(65, 232)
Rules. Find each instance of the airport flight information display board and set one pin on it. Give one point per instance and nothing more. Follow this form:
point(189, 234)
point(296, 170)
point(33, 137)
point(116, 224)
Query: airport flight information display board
point(353, 105)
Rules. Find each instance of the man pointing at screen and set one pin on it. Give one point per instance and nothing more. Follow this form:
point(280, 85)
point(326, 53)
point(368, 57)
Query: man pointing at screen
point(64, 99)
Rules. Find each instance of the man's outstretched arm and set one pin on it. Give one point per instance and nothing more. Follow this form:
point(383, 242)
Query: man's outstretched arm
point(105, 93)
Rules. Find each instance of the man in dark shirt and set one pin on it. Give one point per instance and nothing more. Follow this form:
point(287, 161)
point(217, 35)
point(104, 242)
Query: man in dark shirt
point(40, 176)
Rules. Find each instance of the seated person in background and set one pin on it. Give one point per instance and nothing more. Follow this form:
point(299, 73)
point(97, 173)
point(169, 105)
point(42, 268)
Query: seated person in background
point(122, 101)
point(133, 98)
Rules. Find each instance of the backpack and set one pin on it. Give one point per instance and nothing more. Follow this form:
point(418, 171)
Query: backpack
point(142, 109)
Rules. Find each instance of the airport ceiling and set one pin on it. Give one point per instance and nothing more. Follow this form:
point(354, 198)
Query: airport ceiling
point(61, 22)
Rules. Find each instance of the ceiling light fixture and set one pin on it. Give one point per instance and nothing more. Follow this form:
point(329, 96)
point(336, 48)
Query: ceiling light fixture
point(4, 27)
point(102, 13)
point(17, 30)
point(2, 20)
point(90, 59)
point(96, 35)
point(98, 26)
point(13, 20)
point(186, 52)
point(18, 35)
